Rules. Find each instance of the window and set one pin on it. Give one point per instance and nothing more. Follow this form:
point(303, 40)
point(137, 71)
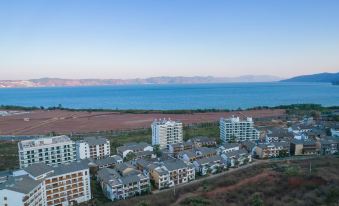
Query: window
point(5, 198)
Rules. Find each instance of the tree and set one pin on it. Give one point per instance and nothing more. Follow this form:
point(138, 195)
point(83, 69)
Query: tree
point(157, 150)
point(257, 201)
point(130, 156)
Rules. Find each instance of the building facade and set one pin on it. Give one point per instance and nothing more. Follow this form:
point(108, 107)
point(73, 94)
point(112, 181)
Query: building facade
point(166, 132)
point(40, 184)
point(49, 150)
point(93, 147)
point(234, 129)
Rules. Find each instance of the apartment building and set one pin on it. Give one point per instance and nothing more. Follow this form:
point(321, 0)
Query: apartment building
point(234, 129)
point(328, 146)
point(49, 150)
point(166, 132)
point(40, 184)
point(123, 182)
point(93, 147)
point(178, 147)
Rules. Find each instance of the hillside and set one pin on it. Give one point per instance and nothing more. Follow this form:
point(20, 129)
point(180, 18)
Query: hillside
point(321, 77)
point(57, 82)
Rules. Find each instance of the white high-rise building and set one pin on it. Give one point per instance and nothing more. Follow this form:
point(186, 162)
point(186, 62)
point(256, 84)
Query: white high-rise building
point(166, 132)
point(234, 129)
point(49, 150)
point(93, 147)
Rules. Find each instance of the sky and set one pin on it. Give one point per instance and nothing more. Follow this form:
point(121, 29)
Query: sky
point(145, 38)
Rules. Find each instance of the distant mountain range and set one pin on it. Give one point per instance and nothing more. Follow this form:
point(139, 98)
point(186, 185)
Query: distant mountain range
point(56, 82)
point(321, 77)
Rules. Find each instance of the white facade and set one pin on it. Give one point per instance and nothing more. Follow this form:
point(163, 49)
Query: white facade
point(335, 132)
point(47, 186)
point(234, 129)
point(166, 132)
point(50, 150)
point(93, 147)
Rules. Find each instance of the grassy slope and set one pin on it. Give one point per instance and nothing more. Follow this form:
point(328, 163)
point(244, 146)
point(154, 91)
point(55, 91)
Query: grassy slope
point(292, 184)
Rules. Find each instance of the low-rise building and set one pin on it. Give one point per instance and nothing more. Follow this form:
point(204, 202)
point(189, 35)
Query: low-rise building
point(210, 165)
point(328, 146)
point(135, 148)
point(197, 153)
point(178, 147)
point(303, 147)
point(237, 158)
point(278, 134)
point(228, 147)
point(110, 162)
point(93, 147)
point(123, 182)
point(272, 150)
point(167, 173)
point(203, 142)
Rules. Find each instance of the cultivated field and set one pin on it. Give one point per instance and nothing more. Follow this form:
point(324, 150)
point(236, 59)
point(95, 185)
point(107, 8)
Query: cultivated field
point(66, 122)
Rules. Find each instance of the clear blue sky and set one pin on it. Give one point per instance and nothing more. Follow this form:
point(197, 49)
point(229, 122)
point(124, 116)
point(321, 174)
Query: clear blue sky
point(127, 39)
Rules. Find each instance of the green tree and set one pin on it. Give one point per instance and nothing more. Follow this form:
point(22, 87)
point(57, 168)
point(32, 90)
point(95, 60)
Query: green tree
point(157, 150)
point(130, 156)
point(257, 201)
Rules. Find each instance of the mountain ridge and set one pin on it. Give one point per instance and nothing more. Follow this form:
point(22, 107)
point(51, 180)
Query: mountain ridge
point(319, 77)
point(60, 82)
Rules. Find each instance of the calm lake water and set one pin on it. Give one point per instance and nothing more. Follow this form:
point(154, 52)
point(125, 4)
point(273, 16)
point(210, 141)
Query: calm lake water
point(198, 96)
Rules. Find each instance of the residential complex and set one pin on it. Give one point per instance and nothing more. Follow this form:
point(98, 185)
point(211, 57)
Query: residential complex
point(140, 150)
point(166, 132)
point(234, 129)
point(122, 182)
point(271, 150)
point(49, 150)
point(93, 147)
point(40, 184)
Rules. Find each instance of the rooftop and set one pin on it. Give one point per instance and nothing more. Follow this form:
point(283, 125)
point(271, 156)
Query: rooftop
point(95, 140)
point(44, 141)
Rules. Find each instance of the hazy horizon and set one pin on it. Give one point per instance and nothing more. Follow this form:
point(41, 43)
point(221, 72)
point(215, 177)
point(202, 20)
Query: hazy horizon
point(141, 39)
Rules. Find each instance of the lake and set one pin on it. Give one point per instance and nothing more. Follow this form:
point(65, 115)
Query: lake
point(191, 96)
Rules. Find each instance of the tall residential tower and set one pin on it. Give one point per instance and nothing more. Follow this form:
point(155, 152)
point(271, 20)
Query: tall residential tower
point(166, 132)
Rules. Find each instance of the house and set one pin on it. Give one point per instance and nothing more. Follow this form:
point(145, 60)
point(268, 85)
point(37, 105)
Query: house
point(328, 146)
point(107, 162)
point(278, 134)
point(134, 148)
point(237, 157)
point(249, 146)
point(335, 132)
point(178, 147)
point(228, 147)
point(167, 173)
point(203, 142)
point(303, 147)
point(123, 182)
point(272, 150)
point(197, 153)
point(211, 165)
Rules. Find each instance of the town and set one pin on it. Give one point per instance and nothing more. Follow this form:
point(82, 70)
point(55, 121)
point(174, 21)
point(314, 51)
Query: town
point(56, 170)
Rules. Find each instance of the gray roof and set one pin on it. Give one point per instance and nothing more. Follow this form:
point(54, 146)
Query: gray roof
point(108, 160)
point(95, 140)
point(22, 184)
point(230, 145)
point(38, 169)
point(207, 160)
point(236, 153)
point(303, 142)
point(174, 164)
point(207, 150)
point(132, 146)
point(70, 167)
point(114, 177)
point(190, 153)
point(202, 139)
